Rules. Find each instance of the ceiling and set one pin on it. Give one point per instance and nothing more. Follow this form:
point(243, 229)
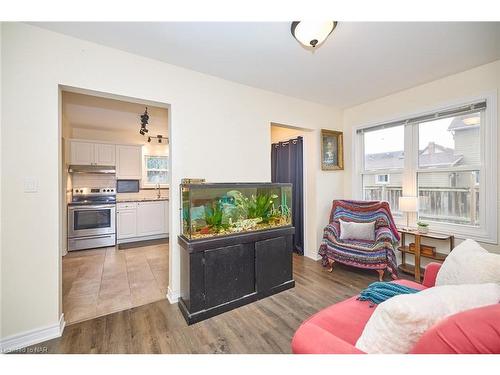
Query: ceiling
point(358, 62)
point(98, 113)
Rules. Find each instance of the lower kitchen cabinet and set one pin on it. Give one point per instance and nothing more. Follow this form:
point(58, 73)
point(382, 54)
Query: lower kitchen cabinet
point(126, 223)
point(151, 217)
point(139, 221)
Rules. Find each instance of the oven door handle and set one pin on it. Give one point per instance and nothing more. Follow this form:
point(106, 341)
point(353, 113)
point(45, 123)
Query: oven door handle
point(88, 208)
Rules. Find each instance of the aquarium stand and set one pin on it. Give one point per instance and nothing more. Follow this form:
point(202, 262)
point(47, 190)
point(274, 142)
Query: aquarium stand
point(220, 274)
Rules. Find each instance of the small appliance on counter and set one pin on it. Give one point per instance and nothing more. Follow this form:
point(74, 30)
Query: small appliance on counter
point(91, 218)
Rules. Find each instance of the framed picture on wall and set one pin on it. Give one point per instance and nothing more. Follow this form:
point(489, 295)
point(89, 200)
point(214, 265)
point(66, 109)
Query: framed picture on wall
point(332, 150)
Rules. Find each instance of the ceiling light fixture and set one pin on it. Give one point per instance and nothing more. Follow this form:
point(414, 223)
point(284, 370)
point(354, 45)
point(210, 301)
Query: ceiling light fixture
point(311, 34)
point(158, 138)
point(144, 122)
point(143, 130)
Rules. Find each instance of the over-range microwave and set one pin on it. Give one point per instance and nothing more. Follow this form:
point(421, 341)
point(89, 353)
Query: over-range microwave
point(127, 186)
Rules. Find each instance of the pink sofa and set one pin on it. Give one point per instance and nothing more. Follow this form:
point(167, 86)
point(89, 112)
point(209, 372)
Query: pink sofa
point(336, 329)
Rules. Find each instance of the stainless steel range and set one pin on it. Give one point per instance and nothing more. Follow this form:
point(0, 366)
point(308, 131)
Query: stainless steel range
point(91, 218)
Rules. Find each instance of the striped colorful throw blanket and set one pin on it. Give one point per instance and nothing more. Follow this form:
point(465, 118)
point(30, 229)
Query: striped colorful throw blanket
point(379, 291)
point(375, 255)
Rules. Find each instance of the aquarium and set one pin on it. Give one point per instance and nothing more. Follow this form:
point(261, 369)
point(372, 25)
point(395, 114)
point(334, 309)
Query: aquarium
point(211, 210)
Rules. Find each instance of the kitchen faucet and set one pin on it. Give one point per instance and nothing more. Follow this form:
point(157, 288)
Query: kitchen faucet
point(158, 195)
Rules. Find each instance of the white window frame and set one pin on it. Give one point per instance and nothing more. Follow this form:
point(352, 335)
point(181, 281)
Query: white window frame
point(145, 183)
point(487, 231)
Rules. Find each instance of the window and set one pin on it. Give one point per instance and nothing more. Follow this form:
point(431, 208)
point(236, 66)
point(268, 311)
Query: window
point(382, 179)
point(445, 158)
point(451, 147)
point(156, 170)
point(383, 151)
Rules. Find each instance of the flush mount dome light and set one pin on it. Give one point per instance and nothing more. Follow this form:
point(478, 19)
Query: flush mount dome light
point(312, 33)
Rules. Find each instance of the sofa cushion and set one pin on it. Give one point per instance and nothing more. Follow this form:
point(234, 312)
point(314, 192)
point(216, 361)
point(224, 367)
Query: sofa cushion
point(347, 319)
point(469, 263)
point(398, 323)
point(313, 339)
point(475, 331)
point(350, 230)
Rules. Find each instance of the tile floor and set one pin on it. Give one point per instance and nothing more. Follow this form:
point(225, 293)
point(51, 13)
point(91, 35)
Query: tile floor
point(102, 281)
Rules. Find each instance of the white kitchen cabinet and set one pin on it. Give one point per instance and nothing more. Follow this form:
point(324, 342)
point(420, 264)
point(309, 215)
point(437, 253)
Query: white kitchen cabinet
point(81, 153)
point(129, 162)
point(88, 153)
point(126, 220)
point(138, 221)
point(104, 154)
point(151, 218)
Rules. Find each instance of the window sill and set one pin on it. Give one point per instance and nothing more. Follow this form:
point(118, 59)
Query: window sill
point(464, 231)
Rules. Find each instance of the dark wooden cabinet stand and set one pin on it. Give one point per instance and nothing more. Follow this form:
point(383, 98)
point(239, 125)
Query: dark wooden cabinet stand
point(220, 274)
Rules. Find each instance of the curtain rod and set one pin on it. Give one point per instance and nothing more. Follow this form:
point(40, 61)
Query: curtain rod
point(287, 140)
point(430, 116)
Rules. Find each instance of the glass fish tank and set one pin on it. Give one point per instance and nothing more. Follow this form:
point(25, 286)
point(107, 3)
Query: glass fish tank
point(221, 209)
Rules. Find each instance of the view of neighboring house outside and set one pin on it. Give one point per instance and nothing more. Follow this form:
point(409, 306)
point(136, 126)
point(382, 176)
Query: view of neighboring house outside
point(448, 189)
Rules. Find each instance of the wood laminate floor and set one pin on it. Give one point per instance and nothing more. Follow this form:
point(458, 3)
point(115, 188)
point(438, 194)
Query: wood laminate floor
point(265, 326)
point(103, 281)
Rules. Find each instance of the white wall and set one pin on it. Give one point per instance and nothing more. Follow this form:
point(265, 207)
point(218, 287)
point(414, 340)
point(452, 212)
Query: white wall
point(219, 131)
point(1, 262)
point(474, 82)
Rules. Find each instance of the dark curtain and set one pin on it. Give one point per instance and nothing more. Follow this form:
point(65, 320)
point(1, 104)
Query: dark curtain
point(287, 166)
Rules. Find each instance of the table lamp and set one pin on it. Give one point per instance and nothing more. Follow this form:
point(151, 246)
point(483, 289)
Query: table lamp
point(407, 205)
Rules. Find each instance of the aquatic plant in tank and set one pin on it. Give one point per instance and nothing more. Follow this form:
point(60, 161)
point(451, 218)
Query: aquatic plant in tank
point(215, 211)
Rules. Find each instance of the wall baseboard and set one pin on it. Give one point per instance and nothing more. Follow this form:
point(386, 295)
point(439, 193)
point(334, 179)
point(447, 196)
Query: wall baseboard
point(173, 297)
point(35, 336)
point(144, 238)
point(313, 256)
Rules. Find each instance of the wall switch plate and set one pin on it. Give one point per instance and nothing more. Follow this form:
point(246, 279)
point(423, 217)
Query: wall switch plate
point(30, 185)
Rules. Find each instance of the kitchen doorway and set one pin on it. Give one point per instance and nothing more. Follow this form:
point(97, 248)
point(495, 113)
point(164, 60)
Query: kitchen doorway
point(115, 179)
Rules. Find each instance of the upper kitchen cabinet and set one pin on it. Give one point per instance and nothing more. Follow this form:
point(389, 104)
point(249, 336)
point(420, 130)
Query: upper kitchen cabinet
point(105, 154)
point(82, 153)
point(129, 162)
point(88, 153)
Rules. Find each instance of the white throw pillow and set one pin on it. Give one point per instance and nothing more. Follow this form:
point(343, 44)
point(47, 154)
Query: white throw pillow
point(350, 230)
point(469, 263)
point(398, 323)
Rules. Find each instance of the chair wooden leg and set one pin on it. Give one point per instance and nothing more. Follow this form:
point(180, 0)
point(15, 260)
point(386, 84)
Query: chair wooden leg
point(330, 264)
point(380, 275)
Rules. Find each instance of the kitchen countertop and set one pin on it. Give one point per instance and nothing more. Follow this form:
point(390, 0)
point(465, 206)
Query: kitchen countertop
point(125, 200)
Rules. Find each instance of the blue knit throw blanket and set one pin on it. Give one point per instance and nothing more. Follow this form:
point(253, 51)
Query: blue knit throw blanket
point(379, 291)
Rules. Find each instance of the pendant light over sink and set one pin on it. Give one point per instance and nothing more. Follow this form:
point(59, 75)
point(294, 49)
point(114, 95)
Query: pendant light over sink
point(312, 34)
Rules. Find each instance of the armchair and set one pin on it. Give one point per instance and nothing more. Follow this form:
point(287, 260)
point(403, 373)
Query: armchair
point(377, 255)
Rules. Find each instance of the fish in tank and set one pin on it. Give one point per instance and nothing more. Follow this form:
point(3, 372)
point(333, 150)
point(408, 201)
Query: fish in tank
point(211, 210)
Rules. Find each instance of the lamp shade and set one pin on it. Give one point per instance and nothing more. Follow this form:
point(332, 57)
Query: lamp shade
point(408, 204)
